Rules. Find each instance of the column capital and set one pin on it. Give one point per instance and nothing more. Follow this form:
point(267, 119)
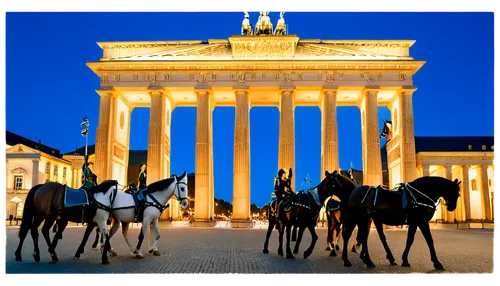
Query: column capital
point(202, 87)
point(287, 89)
point(370, 89)
point(329, 90)
point(466, 167)
point(106, 91)
point(407, 90)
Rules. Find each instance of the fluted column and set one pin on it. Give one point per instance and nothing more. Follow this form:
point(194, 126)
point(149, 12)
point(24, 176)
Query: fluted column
point(329, 130)
point(203, 181)
point(372, 164)
point(241, 181)
point(104, 136)
point(286, 152)
point(34, 180)
point(466, 191)
point(155, 137)
point(485, 192)
point(407, 140)
point(450, 216)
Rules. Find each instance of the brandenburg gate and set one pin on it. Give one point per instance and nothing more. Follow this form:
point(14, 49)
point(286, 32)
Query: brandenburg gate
point(254, 70)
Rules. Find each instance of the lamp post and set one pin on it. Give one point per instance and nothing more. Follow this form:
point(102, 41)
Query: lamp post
point(85, 132)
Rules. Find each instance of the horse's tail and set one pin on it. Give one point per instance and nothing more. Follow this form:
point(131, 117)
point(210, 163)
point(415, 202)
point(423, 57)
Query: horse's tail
point(28, 211)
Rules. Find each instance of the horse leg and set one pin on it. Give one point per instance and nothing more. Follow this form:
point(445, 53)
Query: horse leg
point(95, 245)
point(153, 248)
point(272, 223)
point(125, 227)
point(346, 234)
point(146, 223)
point(299, 239)
point(335, 244)
point(102, 218)
point(114, 228)
point(363, 231)
point(139, 243)
point(23, 232)
point(61, 226)
point(294, 233)
point(34, 235)
point(288, 248)
point(280, 239)
point(412, 228)
point(424, 228)
point(49, 221)
point(309, 251)
point(88, 231)
point(381, 235)
point(329, 237)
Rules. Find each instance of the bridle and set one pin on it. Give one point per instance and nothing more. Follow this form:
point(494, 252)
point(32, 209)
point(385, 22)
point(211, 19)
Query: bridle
point(434, 205)
point(158, 205)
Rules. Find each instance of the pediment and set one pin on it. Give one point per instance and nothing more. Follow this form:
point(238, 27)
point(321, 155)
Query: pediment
point(20, 149)
point(19, 170)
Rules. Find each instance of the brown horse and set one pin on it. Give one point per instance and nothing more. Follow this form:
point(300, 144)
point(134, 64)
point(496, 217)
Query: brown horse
point(45, 202)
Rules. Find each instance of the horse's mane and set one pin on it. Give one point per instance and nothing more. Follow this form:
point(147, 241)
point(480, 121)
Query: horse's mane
point(160, 185)
point(104, 186)
point(440, 182)
point(346, 178)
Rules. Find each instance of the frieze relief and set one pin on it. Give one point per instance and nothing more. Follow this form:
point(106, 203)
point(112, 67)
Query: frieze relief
point(329, 76)
point(394, 155)
point(118, 152)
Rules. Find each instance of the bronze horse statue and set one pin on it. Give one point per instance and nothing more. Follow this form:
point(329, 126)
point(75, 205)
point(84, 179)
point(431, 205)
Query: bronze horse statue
point(45, 202)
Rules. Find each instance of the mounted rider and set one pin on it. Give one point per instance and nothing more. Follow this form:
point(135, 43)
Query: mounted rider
point(283, 186)
point(136, 192)
point(89, 179)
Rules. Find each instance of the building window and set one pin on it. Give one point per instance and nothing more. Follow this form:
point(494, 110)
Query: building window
point(18, 182)
point(64, 172)
point(47, 168)
point(474, 185)
point(55, 170)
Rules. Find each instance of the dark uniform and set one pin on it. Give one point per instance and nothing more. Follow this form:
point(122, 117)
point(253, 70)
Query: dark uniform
point(89, 178)
point(142, 186)
point(283, 187)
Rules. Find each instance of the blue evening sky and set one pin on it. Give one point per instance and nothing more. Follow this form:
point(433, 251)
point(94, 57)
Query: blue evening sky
point(49, 87)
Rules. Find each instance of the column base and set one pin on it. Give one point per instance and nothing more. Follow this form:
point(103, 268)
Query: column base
point(240, 223)
point(203, 223)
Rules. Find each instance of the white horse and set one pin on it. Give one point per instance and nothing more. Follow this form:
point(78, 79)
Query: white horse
point(123, 210)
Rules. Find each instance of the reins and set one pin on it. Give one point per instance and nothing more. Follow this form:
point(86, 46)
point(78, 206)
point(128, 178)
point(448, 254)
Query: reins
point(407, 186)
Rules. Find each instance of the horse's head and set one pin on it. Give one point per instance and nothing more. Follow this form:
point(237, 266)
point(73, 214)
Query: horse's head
point(336, 184)
point(451, 193)
point(181, 190)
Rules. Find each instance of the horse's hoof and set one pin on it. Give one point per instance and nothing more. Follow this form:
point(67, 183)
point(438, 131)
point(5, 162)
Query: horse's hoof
point(337, 247)
point(36, 257)
point(150, 251)
point(280, 252)
point(265, 250)
point(156, 253)
point(354, 250)
point(295, 251)
point(289, 256)
point(328, 248)
point(53, 261)
point(113, 253)
point(333, 253)
point(393, 263)
point(76, 257)
point(104, 262)
point(405, 264)
point(347, 263)
point(55, 258)
point(438, 266)
point(18, 257)
point(139, 255)
point(307, 254)
point(370, 265)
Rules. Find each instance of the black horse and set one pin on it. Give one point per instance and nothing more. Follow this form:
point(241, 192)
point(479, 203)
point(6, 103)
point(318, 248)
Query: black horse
point(45, 202)
point(303, 213)
point(413, 204)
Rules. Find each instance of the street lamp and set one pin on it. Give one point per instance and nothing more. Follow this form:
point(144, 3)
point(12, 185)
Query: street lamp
point(85, 131)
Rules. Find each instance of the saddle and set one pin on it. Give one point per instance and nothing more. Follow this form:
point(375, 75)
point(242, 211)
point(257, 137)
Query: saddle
point(139, 196)
point(332, 205)
point(75, 197)
point(381, 199)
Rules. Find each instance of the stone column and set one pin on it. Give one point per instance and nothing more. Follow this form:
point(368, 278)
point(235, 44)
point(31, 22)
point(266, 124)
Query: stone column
point(34, 178)
point(485, 193)
point(104, 138)
point(425, 170)
point(241, 181)
point(372, 164)
point(466, 191)
point(156, 136)
point(203, 155)
point(286, 151)
point(329, 132)
point(450, 216)
point(407, 139)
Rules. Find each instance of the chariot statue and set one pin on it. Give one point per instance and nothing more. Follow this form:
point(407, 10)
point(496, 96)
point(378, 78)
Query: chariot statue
point(280, 26)
point(246, 27)
point(264, 25)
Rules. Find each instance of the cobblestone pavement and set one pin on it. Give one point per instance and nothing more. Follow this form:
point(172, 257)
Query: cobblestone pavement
point(222, 250)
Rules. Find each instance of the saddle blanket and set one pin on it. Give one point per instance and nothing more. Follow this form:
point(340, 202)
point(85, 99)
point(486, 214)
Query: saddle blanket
point(73, 198)
point(332, 205)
